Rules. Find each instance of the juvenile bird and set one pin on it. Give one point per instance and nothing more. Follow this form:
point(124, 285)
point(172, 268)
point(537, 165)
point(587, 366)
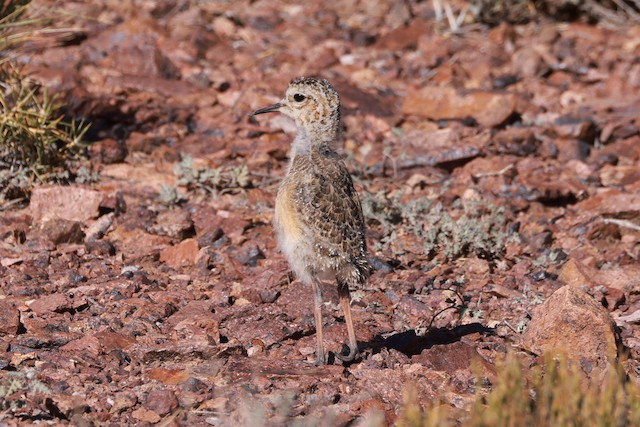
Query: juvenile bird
point(318, 216)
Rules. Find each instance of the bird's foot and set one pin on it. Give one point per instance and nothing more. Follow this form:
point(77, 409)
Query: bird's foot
point(348, 354)
point(321, 359)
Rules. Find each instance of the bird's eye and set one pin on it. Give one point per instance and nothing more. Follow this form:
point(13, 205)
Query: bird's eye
point(298, 97)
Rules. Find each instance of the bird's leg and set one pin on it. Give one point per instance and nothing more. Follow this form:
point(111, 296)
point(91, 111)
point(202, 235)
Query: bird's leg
point(317, 312)
point(345, 302)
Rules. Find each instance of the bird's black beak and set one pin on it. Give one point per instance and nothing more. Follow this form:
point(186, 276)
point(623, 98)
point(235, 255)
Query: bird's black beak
point(269, 109)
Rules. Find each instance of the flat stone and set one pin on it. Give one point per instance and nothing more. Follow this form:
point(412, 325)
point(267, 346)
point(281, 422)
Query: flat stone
point(181, 255)
point(488, 108)
point(65, 202)
point(49, 303)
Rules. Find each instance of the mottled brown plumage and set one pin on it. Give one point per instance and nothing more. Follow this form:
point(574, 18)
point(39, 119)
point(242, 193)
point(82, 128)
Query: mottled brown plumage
point(318, 217)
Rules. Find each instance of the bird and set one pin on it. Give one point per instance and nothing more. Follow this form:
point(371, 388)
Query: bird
point(318, 217)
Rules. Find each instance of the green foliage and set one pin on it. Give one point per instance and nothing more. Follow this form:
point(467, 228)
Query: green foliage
point(557, 395)
point(33, 133)
point(36, 141)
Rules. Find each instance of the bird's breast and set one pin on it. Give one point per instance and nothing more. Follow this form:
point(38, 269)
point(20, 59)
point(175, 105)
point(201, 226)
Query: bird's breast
point(286, 220)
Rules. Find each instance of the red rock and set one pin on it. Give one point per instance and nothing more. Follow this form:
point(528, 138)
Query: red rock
point(616, 281)
point(619, 175)
point(69, 203)
point(403, 37)
point(174, 223)
point(9, 318)
point(390, 384)
point(571, 149)
point(439, 147)
point(501, 291)
point(527, 62)
point(88, 344)
point(136, 244)
point(489, 109)
point(575, 274)
point(571, 321)
point(453, 357)
point(144, 415)
point(207, 219)
point(161, 402)
point(168, 376)
point(113, 340)
point(611, 202)
point(49, 303)
point(181, 255)
point(412, 311)
point(197, 317)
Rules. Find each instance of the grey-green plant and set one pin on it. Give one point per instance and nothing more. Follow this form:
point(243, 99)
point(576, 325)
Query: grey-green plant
point(206, 180)
point(468, 227)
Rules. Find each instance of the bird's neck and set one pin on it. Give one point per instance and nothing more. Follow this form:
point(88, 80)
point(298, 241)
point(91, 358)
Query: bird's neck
point(312, 138)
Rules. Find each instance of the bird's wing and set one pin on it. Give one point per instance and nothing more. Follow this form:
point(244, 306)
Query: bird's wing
point(329, 207)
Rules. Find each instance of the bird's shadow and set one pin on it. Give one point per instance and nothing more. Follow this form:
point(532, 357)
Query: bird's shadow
point(411, 344)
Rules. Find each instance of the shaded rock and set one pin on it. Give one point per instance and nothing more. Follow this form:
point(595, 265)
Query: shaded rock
point(13, 227)
point(59, 231)
point(44, 333)
point(571, 321)
point(207, 219)
point(113, 203)
point(250, 256)
point(266, 285)
point(571, 149)
point(527, 62)
point(100, 247)
point(459, 361)
point(161, 402)
point(9, 318)
point(181, 255)
point(109, 151)
point(69, 203)
point(488, 108)
point(122, 401)
point(454, 357)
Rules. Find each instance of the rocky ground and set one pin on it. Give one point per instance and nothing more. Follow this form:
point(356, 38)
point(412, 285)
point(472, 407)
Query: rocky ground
point(499, 169)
